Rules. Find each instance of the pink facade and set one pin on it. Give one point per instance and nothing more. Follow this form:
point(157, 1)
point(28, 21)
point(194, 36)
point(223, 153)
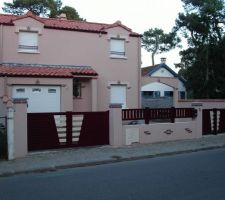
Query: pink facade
point(83, 44)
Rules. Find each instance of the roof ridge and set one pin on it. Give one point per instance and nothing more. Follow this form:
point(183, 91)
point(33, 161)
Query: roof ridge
point(74, 20)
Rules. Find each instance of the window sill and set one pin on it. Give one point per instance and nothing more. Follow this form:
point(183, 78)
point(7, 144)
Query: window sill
point(118, 57)
point(29, 52)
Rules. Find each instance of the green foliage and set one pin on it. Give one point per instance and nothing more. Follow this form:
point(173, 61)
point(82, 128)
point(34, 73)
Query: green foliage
point(50, 8)
point(18, 7)
point(70, 12)
point(202, 65)
point(156, 41)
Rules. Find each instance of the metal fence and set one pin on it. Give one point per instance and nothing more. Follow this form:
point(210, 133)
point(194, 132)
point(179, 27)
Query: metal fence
point(148, 114)
point(3, 137)
point(3, 122)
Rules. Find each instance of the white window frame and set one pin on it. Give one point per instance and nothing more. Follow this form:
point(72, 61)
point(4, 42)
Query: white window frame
point(118, 50)
point(119, 99)
point(28, 46)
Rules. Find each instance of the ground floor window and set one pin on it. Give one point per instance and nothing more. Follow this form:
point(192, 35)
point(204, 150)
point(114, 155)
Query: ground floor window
point(168, 93)
point(76, 88)
point(182, 94)
point(118, 94)
point(151, 94)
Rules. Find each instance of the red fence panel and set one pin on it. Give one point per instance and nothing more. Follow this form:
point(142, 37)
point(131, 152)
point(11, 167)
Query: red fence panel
point(68, 129)
point(213, 121)
point(148, 114)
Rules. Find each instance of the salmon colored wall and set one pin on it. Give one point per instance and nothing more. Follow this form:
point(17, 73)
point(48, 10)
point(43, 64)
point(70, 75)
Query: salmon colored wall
point(84, 103)
point(80, 48)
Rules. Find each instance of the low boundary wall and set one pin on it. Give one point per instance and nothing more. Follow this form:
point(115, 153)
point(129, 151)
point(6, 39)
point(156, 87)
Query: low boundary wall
point(124, 134)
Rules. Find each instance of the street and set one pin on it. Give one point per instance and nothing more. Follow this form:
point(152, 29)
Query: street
point(199, 175)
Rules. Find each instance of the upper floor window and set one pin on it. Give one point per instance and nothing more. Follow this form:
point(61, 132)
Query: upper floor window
point(28, 42)
point(117, 48)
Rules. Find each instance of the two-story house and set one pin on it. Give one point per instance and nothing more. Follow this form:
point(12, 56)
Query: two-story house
point(63, 65)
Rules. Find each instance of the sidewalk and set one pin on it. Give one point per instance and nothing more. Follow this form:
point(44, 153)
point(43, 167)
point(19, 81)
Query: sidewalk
point(86, 156)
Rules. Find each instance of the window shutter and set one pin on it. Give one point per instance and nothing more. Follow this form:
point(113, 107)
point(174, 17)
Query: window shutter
point(28, 40)
point(117, 47)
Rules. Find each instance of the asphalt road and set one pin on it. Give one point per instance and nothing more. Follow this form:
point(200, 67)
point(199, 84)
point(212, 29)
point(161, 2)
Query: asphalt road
point(199, 176)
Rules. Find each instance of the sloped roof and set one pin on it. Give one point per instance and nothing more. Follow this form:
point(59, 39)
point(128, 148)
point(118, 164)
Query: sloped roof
point(36, 70)
point(148, 71)
point(75, 25)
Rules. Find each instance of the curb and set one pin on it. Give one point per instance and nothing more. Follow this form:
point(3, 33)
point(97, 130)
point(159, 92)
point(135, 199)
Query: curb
point(103, 162)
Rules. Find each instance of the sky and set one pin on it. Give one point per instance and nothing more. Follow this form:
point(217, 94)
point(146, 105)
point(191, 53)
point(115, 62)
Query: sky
point(139, 15)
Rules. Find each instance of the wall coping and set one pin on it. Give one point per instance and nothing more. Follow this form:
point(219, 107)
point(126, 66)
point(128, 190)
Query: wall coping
point(115, 105)
point(202, 100)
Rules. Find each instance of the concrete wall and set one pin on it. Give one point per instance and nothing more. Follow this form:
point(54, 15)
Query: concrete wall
point(81, 48)
point(153, 132)
point(160, 132)
point(202, 103)
point(20, 128)
point(83, 104)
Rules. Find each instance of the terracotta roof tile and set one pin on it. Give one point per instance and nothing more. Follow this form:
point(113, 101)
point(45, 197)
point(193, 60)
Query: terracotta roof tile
point(25, 70)
point(75, 25)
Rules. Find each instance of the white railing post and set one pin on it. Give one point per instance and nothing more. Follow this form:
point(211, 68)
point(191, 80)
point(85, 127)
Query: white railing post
point(10, 132)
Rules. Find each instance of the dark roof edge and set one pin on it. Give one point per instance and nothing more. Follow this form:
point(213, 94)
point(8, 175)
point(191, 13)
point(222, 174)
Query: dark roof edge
point(169, 69)
point(44, 65)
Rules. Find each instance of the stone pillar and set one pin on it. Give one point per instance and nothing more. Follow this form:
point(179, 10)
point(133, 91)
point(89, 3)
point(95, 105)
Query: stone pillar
point(19, 128)
point(199, 122)
point(115, 125)
point(94, 94)
point(10, 131)
point(176, 93)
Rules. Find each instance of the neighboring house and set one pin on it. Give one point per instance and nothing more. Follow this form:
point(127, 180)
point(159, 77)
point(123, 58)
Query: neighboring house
point(161, 86)
point(64, 65)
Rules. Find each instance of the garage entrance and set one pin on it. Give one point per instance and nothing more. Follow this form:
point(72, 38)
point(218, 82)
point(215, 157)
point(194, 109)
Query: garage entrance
point(67, 129)
point(39, 98)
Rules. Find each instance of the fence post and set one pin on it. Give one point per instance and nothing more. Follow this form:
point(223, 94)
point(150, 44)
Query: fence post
point(172, 114)
point(115, 125)
point(147, 115)
point(69, 127)
point(215, 121)
point(20, 128)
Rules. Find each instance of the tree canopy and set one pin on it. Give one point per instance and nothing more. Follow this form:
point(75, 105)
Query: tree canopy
point(202, 24)
point(50, 8)
point(156, 41)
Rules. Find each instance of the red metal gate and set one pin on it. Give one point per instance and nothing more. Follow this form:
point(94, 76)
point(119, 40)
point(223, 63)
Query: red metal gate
point(68, 129)
point(213, 121)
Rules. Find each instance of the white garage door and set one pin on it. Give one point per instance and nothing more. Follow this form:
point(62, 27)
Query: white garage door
point(40, 98)
point(118, 94)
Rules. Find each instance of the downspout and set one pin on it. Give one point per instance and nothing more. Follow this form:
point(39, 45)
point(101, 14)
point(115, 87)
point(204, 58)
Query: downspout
point(1, 44)
point(139, 72)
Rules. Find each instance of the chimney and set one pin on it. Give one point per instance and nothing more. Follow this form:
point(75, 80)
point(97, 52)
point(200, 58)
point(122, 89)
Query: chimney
point(62, 16)
point(163, 60)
